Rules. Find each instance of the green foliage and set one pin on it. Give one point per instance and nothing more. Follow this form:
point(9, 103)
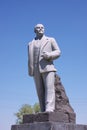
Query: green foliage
point(26, 109)
point(36, 108)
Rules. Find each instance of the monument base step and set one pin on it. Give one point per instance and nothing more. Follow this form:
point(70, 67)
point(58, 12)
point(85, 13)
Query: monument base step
point(49, 126)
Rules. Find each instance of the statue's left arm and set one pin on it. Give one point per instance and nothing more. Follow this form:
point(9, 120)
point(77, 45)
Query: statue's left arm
point(55, 49)
point(55, 53)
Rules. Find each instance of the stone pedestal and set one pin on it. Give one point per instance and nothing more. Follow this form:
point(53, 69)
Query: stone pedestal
point(48, 121)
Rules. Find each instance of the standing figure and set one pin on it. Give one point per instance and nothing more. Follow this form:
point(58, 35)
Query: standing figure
point(42, 50)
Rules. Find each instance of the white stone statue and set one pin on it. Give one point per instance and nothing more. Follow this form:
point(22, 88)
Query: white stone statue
point(42, 50)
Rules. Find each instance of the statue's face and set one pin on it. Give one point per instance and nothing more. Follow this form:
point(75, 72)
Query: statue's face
point(39, 29)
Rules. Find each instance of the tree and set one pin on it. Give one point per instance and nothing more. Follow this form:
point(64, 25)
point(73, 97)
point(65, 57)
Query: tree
point(36, 108)
point(26, 109)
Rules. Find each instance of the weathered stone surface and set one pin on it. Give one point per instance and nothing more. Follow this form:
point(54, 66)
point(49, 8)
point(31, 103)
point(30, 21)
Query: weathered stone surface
point(47, 116)
point(62, 102)
point(49, 126)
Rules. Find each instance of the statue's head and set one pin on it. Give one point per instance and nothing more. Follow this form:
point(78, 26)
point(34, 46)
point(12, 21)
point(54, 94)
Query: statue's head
point(39, 29)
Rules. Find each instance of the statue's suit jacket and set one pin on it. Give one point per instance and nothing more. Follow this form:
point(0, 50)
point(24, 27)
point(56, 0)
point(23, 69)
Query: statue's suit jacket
point(48, 44)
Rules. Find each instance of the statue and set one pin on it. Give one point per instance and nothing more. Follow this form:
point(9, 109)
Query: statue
point(42, 50)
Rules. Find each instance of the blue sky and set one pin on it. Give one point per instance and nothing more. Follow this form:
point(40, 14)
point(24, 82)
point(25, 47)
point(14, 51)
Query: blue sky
point(66, 21)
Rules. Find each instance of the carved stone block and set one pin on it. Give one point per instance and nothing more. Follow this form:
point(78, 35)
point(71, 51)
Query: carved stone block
point(47, 117)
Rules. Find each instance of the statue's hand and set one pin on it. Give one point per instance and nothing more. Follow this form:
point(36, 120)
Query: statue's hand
point(47, 55)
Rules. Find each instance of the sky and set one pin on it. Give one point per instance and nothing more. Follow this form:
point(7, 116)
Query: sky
point(66, 21)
